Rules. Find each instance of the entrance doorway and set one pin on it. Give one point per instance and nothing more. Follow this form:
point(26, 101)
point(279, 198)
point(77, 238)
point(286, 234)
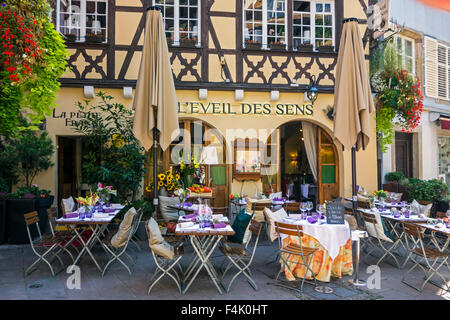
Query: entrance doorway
point(195, 136)
point(69, 167)
point(308, 163)
point(403, 153)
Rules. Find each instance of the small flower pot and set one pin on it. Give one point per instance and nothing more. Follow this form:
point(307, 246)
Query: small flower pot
point(305, 48)
point(253, 45)
point(92, 38)
point(188, 43)
point(326, 49)
point(278, 46)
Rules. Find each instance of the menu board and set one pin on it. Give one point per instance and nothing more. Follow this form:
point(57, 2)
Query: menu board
point(335, 213)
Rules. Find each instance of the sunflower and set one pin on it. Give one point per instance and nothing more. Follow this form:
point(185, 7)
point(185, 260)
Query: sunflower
point(160, 184)
point(161, 176)
point(177, 177)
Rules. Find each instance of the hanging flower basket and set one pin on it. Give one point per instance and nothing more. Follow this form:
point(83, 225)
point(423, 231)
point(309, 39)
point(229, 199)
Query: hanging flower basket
point(398, 98)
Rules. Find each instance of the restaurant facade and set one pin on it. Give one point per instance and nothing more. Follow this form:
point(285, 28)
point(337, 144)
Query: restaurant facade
point(242, 72)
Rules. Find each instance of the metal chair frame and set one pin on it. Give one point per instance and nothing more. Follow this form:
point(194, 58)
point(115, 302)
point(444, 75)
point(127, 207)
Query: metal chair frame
point(244, 259)
point(133, 236)
point(116, 253)
point(305, 253)
point(416, 235)
point(67, 234)
point(165, 266)
point(52, 244)
point(375, 243)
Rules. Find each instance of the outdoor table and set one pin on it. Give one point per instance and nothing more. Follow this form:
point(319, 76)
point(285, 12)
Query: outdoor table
point(395, 226)
point(204, 241)
point(95, 224)
point(334, 254)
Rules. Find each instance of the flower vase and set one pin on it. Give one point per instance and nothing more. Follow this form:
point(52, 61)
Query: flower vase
point(188, 180)
point(88, 212)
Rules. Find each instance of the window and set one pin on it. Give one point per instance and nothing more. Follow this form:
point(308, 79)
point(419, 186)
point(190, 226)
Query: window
point(181, 21)
point(405, 48)
point(82, 20)
point(265, 23)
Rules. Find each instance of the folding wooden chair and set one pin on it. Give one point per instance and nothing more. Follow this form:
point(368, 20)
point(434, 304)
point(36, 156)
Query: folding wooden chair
point(294, 250)
point(292, 207)
point(166, 266)
point(418, 252)
point(378, 240)
point(242, 257)
point(117, 252)
point(51, 244)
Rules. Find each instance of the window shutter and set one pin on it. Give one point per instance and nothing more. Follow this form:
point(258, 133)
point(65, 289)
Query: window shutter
point(431, 68)
point(442, 71)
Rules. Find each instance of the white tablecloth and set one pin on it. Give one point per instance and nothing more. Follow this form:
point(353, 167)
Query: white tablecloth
point(331, 236)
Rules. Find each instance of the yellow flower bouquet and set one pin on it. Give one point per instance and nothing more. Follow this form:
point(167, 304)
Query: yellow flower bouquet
point(167, 180)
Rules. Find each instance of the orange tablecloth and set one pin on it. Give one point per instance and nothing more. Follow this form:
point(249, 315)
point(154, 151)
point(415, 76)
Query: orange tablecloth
point(322, 265)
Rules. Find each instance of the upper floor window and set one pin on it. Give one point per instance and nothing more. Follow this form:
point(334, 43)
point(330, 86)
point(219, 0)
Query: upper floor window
point(443, 71)
point(265, 23)
point(82, 20)
point(181, 21)
point(405, 49)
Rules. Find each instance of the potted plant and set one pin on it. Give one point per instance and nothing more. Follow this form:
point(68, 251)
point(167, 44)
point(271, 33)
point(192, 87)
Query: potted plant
point(326, 49)
point(17, 205)
point(277, 45)
point(3, 195)
point(94, 37)
point(252, 45)
point(189, 43)
point(305, 47)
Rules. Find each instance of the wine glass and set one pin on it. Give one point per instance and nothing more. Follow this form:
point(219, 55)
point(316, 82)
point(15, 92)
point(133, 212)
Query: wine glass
point(303, 208)
point(309, 207)
point(320, 209)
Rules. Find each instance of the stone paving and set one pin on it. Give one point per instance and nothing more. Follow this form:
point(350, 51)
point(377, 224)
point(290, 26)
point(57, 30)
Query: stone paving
point(118, 284)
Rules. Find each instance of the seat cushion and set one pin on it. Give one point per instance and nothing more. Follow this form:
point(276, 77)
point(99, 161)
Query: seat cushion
point(417, 208)
point(167, 213)
point(239, 226)
point(271, 218)
point(68, 205)
point(120, 238)
point(155, 236)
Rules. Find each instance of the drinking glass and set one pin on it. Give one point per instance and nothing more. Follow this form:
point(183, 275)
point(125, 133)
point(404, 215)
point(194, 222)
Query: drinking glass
point(303, 208)
point(309, 207)
point(320, 209)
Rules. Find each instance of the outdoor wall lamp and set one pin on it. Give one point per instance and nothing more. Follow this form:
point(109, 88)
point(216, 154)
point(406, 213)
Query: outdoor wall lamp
point(312, 91)
point(128, 92)
point(88, 92)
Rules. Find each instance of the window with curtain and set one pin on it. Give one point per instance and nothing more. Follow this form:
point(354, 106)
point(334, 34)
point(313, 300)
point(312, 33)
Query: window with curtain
point(181, 21)
point(82, 20)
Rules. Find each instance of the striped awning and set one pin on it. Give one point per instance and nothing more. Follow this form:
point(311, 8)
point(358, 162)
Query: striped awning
point(445, 122)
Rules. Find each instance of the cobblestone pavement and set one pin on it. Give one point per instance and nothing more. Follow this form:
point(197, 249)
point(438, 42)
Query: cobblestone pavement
point(118, 284)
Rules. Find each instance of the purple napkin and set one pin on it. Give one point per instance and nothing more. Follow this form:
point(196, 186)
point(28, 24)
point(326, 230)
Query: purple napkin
point(188, 216)
point(312, 220)
point(207, 225)
point(187, 204)
point(108, 210)
point(70, 215)
point(219, 225)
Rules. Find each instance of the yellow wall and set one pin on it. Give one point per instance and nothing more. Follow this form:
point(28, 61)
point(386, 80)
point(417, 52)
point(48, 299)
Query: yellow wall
point(366, 160)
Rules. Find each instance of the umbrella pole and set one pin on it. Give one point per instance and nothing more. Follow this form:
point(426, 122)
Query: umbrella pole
point(155, 164)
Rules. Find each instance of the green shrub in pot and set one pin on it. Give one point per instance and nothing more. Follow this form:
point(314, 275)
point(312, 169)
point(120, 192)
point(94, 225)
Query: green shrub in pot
point(427, 190)
point(394, 176)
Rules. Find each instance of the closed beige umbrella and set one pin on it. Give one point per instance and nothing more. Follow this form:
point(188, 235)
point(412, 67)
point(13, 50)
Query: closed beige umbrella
point(353, 100)
point(155, 103)
point(155, 88)
point(353, 103)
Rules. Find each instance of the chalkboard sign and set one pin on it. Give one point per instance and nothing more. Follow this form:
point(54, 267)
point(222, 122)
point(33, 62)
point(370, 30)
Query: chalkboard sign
point(335, 213)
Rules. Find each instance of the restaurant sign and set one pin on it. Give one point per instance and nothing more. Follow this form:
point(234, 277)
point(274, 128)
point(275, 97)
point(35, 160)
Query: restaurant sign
point(279, 109)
